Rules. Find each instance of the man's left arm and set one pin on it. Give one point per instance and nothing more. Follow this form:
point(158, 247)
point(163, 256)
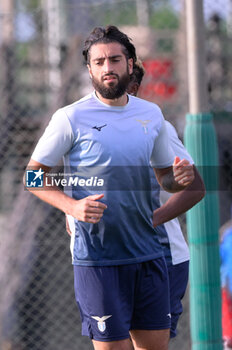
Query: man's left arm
point(184, 179)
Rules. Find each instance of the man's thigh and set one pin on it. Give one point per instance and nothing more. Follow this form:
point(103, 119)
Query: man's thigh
point(140, 340)
point(105, 299)
point(150, 340)
point(152, 299)
point(125, 344)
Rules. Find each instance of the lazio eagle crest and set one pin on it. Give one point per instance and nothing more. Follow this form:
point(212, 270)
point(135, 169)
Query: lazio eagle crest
point(101, 322)
point(144, 124)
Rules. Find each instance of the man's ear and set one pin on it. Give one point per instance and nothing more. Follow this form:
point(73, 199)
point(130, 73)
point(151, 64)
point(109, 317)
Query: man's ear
point(134, 89)
point(90, 71)
point(130, 65)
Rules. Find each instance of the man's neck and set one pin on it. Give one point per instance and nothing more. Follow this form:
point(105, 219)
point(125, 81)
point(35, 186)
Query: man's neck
point(121, 101)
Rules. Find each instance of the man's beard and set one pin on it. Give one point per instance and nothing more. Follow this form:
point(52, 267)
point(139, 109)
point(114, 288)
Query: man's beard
point(115, 91)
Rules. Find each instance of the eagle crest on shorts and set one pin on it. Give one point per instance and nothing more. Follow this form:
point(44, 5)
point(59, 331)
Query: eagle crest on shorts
point(101, 322)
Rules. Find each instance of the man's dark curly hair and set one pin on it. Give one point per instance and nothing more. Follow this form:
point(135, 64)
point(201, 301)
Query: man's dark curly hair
point(138, 72)
point(108, 35)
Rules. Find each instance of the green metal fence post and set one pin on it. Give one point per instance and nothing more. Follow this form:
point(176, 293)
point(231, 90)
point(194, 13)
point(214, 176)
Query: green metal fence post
point(203, 219)
point(202, 226)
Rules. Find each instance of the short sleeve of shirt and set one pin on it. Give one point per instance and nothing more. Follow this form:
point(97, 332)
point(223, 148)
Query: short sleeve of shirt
point(55, 142)
point(176, 143)
point(162, 154)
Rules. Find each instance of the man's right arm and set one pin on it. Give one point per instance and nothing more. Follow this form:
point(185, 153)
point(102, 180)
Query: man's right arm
point(88, 209)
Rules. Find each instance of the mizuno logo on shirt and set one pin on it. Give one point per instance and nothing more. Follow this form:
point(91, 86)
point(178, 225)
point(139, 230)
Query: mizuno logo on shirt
point(98, 128)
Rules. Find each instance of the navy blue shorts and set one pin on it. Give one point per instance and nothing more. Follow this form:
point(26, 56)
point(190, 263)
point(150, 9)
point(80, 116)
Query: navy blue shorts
point(116, 299)
point(178, 280)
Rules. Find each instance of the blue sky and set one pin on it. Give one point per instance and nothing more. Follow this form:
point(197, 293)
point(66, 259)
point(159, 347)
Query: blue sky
point(221, 7)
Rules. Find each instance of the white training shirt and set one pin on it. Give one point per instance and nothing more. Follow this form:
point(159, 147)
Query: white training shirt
point(178, 246)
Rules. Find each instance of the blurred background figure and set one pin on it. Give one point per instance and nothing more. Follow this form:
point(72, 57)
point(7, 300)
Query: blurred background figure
point(226, 282)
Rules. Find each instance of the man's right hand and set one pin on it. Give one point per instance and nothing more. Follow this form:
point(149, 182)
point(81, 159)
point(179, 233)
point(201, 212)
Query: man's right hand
point(89, 209)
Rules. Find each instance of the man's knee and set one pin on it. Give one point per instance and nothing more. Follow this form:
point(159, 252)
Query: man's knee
point(150, 339)
point(125, 344)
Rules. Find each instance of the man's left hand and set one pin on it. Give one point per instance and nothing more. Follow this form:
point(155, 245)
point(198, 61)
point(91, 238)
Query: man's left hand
point(183, 172)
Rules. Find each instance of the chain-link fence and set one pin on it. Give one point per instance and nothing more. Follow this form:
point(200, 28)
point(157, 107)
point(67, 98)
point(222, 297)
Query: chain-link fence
point(41, 69)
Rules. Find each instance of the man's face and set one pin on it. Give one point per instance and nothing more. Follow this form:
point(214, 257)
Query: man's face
point(109, 70)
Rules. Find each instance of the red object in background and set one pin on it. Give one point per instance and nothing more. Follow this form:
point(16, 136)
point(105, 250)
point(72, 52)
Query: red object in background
point(157, 89)
point(226, 315)
point(159, 68)
point(158, 79)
